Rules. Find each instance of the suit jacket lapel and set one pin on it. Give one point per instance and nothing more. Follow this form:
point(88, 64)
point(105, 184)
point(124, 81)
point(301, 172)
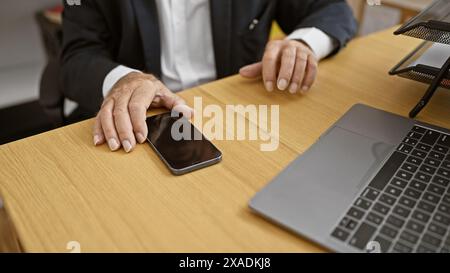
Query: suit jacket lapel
point(221, 28)
point(148, 24)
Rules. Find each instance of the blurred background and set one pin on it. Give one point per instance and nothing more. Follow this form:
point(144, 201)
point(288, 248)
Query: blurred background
point(30, 31)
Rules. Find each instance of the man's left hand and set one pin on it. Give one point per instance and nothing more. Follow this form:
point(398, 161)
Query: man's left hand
point(288, 64)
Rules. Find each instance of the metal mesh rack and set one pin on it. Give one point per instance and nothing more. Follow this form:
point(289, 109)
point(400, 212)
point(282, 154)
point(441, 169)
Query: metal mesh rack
point(433, 26)
point(428, 34)
point(420, 73)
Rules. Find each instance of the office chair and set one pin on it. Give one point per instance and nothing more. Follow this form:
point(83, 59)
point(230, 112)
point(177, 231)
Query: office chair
point(51, 95)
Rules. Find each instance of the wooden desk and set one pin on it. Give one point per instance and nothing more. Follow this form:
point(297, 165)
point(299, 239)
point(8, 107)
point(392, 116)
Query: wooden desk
point(58, 188)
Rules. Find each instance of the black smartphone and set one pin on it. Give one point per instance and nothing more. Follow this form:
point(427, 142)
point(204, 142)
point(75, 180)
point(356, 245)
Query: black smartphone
point(179, 144)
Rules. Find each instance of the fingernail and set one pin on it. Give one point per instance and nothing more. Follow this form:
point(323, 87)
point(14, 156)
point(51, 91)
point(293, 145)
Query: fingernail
point(282, 84)
point(293, 89)
point(127, 146)
point(140, 138)
point(113, 144)
point(269, 86)
point(305, 89)
point(96, 140)
point(243, 69)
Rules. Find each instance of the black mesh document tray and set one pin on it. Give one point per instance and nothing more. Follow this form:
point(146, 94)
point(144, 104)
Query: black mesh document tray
point(408, 68)
point(432, 24)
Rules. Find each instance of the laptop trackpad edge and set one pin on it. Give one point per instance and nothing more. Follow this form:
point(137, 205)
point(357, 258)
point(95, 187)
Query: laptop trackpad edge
point(318, 187)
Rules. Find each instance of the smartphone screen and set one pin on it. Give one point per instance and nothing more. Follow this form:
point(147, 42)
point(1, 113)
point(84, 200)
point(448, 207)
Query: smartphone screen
point(180, 154)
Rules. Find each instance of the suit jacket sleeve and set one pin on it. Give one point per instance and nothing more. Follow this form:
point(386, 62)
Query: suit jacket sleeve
point(86, 55)
point(334, 17)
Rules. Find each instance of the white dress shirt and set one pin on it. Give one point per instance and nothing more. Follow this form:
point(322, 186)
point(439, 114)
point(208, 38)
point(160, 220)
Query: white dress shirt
point(187, 51)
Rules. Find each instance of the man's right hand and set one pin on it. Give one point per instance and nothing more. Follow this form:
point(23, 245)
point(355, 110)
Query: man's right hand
point(121, 120)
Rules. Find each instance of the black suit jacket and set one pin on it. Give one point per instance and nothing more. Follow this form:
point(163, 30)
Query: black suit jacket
point(101, 34)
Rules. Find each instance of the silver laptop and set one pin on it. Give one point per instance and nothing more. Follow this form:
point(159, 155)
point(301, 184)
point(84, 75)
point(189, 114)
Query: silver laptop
point(374, 182)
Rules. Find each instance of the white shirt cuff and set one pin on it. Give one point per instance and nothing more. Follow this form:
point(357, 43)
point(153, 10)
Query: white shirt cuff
point(114, 76)
point(320, 43)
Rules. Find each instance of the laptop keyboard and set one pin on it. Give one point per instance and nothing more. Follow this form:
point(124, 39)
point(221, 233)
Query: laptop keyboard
point(406, 207)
